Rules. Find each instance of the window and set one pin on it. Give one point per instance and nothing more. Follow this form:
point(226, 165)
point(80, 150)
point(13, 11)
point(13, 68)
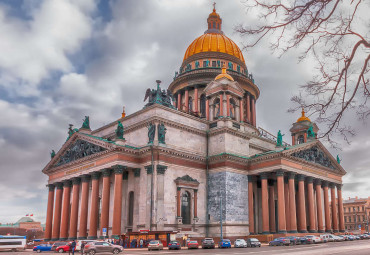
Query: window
point(191, 104)
point(131, 208)
point(214, 64)
point(203, 106)
point(216, 106)
point(300, 139)
point(185, 207)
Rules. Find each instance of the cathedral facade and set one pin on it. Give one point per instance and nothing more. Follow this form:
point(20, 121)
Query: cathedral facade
point(194, 158)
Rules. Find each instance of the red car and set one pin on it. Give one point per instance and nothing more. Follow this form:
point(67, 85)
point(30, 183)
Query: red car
point(63, 248)
point(193, 245)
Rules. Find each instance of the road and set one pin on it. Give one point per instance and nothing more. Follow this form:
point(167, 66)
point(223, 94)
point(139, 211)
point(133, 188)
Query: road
point(343, 248)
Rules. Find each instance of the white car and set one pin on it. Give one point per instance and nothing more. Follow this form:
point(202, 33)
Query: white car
point(314, 239)
point(338, 238)
point(240, 243)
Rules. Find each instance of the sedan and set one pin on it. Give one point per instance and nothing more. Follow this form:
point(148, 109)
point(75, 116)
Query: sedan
point(224, 243)
point(240, 243)
point(302, 240)
point(279, 242)
point(174, 245)
point(155, 245)
point(293, 240)
point(63, 248)
point(42, 247)
point(57, 244)
point(193, 245)
point(313, 239)
point(253, 242)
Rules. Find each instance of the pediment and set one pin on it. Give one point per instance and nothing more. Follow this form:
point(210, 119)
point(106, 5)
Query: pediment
point(225, 85)
point(316, 153)
point(78, 147)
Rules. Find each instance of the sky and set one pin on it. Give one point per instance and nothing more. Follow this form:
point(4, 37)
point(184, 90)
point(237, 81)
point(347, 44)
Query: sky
point(61, 60)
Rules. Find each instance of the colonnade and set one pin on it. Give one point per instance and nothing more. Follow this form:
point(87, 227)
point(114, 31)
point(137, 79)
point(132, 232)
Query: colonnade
point(247, 104)
point(63, 211)
point(300, 205)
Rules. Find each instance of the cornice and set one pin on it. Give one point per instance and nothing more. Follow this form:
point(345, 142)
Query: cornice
point(229, 130)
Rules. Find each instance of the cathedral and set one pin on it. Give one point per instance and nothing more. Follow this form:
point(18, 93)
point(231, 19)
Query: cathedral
point(193, 162)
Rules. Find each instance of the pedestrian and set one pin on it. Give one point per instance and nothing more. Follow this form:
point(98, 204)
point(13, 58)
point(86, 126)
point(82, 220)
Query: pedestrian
point(73, 247)
point(82, 247)
point(141, 243)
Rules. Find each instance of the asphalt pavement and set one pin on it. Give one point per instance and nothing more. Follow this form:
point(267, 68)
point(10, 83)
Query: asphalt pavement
point(360, 247)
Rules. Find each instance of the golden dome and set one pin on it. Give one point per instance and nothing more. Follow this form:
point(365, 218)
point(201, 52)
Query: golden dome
point(303, 117)
point(214, 42)
point(224, 74)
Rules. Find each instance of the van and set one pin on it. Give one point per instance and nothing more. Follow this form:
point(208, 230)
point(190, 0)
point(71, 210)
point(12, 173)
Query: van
point(327, 238)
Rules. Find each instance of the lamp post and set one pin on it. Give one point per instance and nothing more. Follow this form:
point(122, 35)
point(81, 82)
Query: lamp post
point(221, 216)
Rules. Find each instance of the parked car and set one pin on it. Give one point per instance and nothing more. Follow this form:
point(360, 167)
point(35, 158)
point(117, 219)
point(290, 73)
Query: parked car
point(313, 239)
point(224, 243)
point(102, 247)
point(327, 238)
point(279, 242)
point(155, 245)
point(79, 242)
point(174, 245)
point(57, 244)
point(208, 243)
point(302, 240)
point(345, 238)
point(338, 238)
point(240, 243)
point(42, 247)
point(253, 242)
point(350, 237)
point(293, 240)
point(63, 248)
point(357, 237)
point(192, 244)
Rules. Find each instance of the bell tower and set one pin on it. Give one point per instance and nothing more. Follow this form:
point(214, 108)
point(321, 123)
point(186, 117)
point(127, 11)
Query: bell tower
point(304, 130)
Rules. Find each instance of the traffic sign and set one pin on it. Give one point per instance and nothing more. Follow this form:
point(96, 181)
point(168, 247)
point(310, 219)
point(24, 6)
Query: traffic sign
point(104, 231)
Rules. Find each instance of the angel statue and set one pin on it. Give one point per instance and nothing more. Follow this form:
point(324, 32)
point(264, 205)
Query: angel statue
point(52, 154)
point(310, 132)
point(150, 93)
point(86, 123)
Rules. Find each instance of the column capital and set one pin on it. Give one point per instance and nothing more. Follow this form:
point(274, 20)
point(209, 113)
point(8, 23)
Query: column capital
point(279, 172)
point(301, 177)
point(106, 172)
point(195, 190)
point(95, 175)
point(291, 175)
point(264, 175)
point(251, 178)
point(339, 186)
point(161, 169)
point(59, 185)
point(76, 181)
point(118, 169)
point(67, 183)
point(136, 172)
point(325, 184)
point(332, 185)
point(149, 169)
point(178, 188)
point(309, 179)
point(317, 182)
point(125, 175)
point(51, 187)
point(85, 178)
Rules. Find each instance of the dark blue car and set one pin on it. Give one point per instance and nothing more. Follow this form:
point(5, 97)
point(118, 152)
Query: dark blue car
point(280, 241)
point(42, 247)
point(174, 245)
point(224, 243)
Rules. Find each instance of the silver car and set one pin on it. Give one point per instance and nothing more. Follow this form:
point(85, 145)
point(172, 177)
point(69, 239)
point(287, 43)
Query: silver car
point(240, 243)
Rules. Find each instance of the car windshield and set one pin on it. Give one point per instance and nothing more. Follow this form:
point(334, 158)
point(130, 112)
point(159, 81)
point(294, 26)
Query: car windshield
point(174, 242)
point(193, 241)
point(254, 240)
point(310, 236)
point(154, 242)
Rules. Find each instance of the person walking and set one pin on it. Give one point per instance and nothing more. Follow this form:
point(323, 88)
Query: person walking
point(141, 243)
point(72, 247)
point(82, 247)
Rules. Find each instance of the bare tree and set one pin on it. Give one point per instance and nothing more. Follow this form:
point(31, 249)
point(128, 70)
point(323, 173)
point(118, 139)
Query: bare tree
point(335, 33)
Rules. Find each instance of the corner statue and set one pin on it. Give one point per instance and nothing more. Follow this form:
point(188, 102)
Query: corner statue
point(338, 159)
point(120, 131)
point(279, 141)
point(52, 154)
point(162, 133)
point(310, 132)
point(86, 123)
point(158, 96)
point(151, 132)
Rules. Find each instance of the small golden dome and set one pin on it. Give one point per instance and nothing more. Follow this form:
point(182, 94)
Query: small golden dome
point(214, 42)
point(303, 117)
point(224, 74)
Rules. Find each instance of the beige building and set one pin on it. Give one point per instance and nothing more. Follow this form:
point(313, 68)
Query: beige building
point(192, 157)
point(356, 214)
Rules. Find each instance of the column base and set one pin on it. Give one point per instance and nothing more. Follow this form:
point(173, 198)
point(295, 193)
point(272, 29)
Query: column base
point(47, 240)
point(63, 239)
point(265, 232)
point(54, 239)
point(282, 232)
point(292, 231)
point(92, 237)
point(336, 231)
point(321, 231)
point(303, 231)
point(72, 238)
point(114, 236)
point(342, 231)
point(82, 238)
point(250, 233)
point(103, 237)
point(312, 231)
point(328, 230)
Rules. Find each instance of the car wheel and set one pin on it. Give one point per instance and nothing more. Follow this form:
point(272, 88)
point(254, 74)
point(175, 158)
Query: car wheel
point(60, 250)
point(92, 252)
point(115, 251)
point(38, 251)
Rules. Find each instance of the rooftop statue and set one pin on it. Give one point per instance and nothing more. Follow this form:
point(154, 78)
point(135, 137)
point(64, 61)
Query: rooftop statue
point(338, 159)
point(52, 154)
point(279, 140)
point(120, 131)
point(310, 132)
point(86, 123)
point(71, 131)
point(159, 96)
